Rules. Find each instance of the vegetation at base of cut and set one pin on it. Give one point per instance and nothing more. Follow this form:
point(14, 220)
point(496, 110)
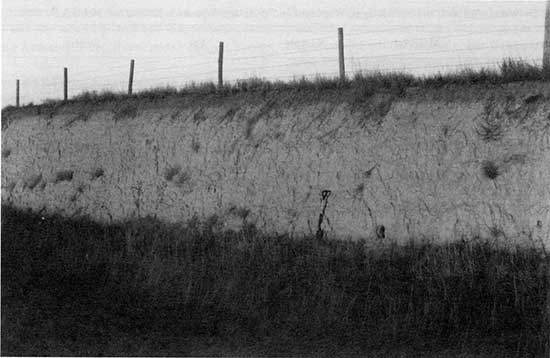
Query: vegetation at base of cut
point(73, 281)
point(361, 85)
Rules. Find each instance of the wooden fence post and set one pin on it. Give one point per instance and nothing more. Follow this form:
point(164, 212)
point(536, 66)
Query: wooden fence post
point(17, 93)
point(65, 84)
point(341, 54)
point(546, 49)
point(220, 66)
point(131, 79)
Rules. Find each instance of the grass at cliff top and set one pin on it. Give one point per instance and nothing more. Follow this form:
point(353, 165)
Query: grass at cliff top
point(362, 85)
point(74, 287)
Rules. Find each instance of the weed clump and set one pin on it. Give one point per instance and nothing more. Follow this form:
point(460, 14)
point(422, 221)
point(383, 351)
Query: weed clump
point(239, 211)
point(49, 108)
point(9, 187)
point(63, 175)
point(490, 131)
point(175, 175)
point(6, 152)
point(181, 179)
point(32, 181)
point(94, 97)
point(125, 111)
point(490, 170)
point(359, 189)
point(42, 185)
point(96, 173)
point(518, 158)
point(195, 145)
point(171, 172)
point(517, 70)
point(533, 98)
point(365, 84)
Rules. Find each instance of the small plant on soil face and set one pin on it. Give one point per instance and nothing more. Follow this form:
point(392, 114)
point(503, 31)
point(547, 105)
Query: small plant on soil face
point(195, 145)
point(359, 189)
point(495, 232)
point(42, 185)
point(63, 175)
point(182, 178)
point(10, 187)
point(239, 211)
point(490, 131)
point(490, 170)
point(97, 172)
point(171, 172)
point(32, 181)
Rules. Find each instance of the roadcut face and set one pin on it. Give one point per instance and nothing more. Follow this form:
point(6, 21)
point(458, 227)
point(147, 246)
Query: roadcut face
point(421, 166)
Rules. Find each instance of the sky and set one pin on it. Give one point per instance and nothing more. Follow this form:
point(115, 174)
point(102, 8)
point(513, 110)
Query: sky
point(176, 42)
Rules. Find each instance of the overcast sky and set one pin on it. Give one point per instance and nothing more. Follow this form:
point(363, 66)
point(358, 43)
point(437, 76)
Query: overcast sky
point(175, 42)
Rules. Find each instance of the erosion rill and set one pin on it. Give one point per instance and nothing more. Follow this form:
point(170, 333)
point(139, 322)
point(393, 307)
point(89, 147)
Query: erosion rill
point(459, 161)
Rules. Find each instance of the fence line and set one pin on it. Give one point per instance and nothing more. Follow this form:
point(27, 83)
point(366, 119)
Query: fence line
point(220, 65)
point(453, 50)
point(184, 78)
point(293, 42)
point(341, 64)
point(65, 84)
point(316, 57)
point(131, 78)
point(17, 93)
point(321, 59)
point(546, 49)
point(340, 59)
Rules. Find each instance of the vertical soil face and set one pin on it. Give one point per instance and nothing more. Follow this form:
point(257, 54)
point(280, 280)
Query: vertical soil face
point(423, 165)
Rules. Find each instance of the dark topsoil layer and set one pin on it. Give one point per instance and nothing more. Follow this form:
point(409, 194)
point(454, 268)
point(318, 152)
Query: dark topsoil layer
point(464, 85)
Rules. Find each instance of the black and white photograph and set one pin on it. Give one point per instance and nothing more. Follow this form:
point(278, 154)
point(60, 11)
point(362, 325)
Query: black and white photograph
point(285, 178)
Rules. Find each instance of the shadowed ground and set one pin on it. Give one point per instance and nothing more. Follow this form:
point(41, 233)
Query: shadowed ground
point(142, 288)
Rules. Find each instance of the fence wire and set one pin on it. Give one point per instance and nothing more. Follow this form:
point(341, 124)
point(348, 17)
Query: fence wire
point(285, 60)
